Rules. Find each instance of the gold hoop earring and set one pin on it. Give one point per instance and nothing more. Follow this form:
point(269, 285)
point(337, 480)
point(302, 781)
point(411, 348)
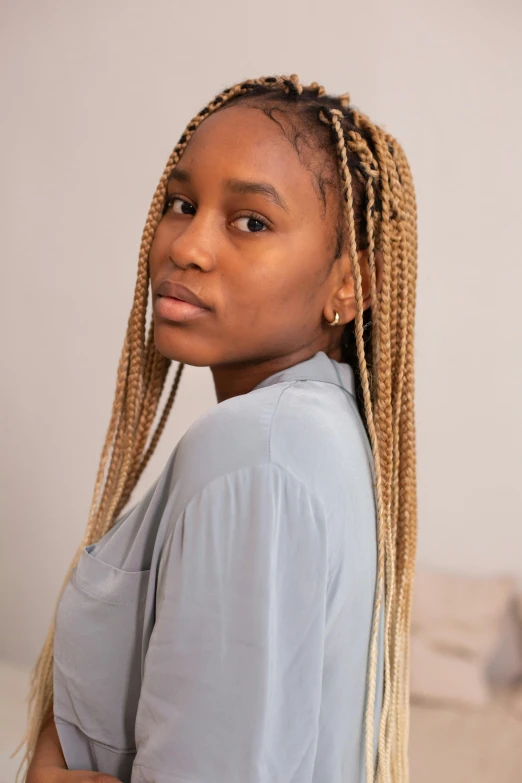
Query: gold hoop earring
point(335, 320)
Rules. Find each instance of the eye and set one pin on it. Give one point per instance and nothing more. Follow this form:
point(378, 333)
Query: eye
point(254, 223)
point(178, 205)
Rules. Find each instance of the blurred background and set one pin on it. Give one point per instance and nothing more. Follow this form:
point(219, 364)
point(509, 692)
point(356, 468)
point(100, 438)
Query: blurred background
point(94, 96)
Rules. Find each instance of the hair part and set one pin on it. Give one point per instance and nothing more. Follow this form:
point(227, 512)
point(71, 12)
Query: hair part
point(377, 211)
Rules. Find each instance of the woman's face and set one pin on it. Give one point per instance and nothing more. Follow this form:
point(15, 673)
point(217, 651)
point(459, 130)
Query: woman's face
point(245, 230)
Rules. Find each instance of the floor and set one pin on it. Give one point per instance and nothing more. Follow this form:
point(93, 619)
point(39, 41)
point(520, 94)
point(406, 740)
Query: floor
point(446, 746)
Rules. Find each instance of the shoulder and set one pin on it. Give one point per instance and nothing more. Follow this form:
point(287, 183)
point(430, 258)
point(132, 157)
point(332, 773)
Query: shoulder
point(310, 428)
point(233, 435)
point(318, 434)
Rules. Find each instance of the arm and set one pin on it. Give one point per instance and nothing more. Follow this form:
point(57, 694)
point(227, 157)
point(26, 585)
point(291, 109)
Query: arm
point(233, 673)
point(48, 751)
point(48, 763)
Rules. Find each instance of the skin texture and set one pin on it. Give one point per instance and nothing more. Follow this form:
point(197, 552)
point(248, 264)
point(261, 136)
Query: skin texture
point(268, 286)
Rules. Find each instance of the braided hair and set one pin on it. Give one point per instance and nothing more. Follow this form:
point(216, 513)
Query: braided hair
point(377, 212)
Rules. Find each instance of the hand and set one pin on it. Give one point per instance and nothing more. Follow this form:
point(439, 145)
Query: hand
point(59, 775)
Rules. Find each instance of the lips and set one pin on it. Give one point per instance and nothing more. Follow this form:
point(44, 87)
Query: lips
point(179, 291)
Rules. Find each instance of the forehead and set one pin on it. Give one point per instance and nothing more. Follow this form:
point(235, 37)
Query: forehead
point(243, 142)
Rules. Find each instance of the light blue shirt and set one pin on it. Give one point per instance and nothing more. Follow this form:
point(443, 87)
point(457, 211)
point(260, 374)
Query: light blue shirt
point(220, 631)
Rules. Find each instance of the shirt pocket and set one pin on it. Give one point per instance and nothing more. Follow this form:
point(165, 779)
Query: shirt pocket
point(98, 650)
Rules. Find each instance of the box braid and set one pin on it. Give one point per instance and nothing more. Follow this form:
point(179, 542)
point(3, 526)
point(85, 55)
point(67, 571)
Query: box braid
point(377, 211)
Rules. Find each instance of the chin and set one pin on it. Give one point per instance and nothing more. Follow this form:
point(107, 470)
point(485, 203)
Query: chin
point(179, 345)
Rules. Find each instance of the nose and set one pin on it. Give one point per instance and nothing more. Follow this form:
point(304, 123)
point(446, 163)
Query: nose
point(193, 246)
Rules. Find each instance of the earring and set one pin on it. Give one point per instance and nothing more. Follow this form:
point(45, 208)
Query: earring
point(335, 320)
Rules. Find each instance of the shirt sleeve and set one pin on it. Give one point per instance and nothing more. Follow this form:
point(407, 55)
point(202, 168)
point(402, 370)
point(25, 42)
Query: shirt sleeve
point(231, 690)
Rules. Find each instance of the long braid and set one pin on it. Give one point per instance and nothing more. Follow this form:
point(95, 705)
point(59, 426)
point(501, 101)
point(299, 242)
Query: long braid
point(382, 383)
point(384, 326)
point(383, 406)
point(403, 285)
point(400, 284)
point(382, 528)
point(156, 369)
point(384, 369)
point(400, 247)
point(408, 480)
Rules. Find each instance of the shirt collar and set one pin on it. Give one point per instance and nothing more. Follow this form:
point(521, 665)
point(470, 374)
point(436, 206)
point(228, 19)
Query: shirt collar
point(319, 367)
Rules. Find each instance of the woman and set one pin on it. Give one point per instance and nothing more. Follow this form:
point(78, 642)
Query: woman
point(248, 619)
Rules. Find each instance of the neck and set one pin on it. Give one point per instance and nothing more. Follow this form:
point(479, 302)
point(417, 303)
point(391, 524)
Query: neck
point(231, 380)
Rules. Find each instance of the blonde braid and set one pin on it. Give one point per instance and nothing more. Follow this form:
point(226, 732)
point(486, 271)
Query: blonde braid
point(393, 320)
point(382, 405)
point(156, 369)
point(388, 404)
point(370, 167)
point(333, 117)
point(397, 334)
point(407, 476)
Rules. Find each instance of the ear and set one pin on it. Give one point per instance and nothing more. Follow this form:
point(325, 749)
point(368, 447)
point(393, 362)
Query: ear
point(344, 297)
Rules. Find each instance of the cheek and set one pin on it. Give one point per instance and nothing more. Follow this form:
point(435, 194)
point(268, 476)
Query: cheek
point(286, 288)
point(299, 275)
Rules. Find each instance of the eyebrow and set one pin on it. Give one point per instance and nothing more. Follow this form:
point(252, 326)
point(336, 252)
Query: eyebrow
point(239, 186)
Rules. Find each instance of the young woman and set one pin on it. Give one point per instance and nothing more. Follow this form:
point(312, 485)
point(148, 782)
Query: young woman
point(247, 620)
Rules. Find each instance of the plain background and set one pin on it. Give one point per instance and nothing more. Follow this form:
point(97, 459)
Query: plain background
point(95, 95)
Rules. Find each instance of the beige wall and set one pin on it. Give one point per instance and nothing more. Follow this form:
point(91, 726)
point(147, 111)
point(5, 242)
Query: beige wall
point(94, 96)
